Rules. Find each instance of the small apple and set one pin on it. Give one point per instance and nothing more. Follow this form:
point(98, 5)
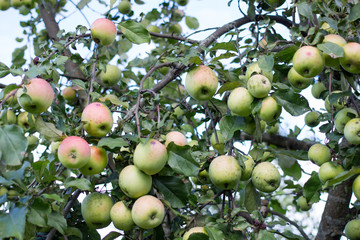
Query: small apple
point(150, 157)
point(317, 89)
point(4, 5)
point(124, 7)
point(120, 215)
point(351, 62)
point(312, 119)
point(308, 61)
point(303, 203)
point(329, 171)
point(270, 110)
point(54, 146)
point(103, 31)
point(266, 177)
point(201, 83)
point(153, 28)
point(97, 162)
point(352, 131)
point(319, 154)
point(274, 129)
point(148, 212)
point(194, 230)
point(30, 4)
point(204, 177)
point(298, 81)
point(10, 116)
point(133, 182)
point(220, 145)
point(182, 2)
point(177, 15)
point(254, 68)
point(352, 229)
point(356, 187)
point(239, 101)
point(26, 121)
point(259, 86)
point(247, 171)
point(224, 172)
point(330, 61)
point(95, 210)
point(97, 119)
point(339, 104)
point(176, 137)
point(33, 142)
point(69, 94)
point(112, 74)
point(175, 29)
point(16, 3)
point(342, 117)
point(74, 152)
point(37, 97)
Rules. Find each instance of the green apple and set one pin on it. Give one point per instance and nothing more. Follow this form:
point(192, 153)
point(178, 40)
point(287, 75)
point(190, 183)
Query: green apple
point(204, 177)
point(33, 142)
point(54, 146)
point(312, 119)
point(16, 3)
point(270, 110)
point(30, 4)
point(339, 104)
point(97, 119)
point(3, 191)
point(352, 131)
point(274, 129)
point(97, 162)
point(133, 182)
point(69, 94)
point(342, 117)
point(177, 15)
point(111, 76)
point(351, 61)
point(26, 121)
point(4, 5)
point(356, 187)
point(124, 7)
point(352, 229)
point(317, 89)
point(224, 172)
point(308, 61)
point(148, 212)
point(303, 203)
point(201, 83)
point(120, 215)
point(194, 230)
point(150, 157)
point(10, 116)
point(176, 137)
point(239, 101)
point(103, 31)
point(153, 28)
point(182, 2)
point(37, 96)
point(330, 61)
point(246, 172)
point(254, 68)
point(319, 154)
point(95, 210)
point(220, 145)
point(329, 171)
point(298, 81)
point(74, 152)
point(175, 29)
point(259, 86)
point(12, 194)
point(266, 177)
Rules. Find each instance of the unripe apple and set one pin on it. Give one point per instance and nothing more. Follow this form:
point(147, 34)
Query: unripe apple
point(204, 177)
point(352, 131)
point(342, 117)
point(69, 94)
point(312, 119)
point(111, 76)
point(150, 157)
point(26, 121)
point(176, 137)
point(266, 177)
point(97, 162)
point(298, 81)
point(54, 146)
point(120, 215)
point(356, 187)
point(352, 229)
point(254, 68)
point(303, 203)
point(97, 119)
point(16, 3)
point(270, 110)
point(182, 2)
point(95, 210)
point(317, 89)
point(178, 15)
point(239, 101)
point(30, 4)
point(339, 104)
point(220, 145)
point(351, 62)
point(337, 39)
point(329, 171)
point(124, 7)
point(247, 171)
point(224, 172)
point(4, 5)
point(3, 190)
point(153, 28)
point(133, 182)
point(148, 212)
point(319, 154)
point(175, 29)
point(10, 116)
point(259, 86)
point(103, 31)
point(33, 142)
point(201, 83)
point(74, 152)
point(194, 230)
point(38, 96)
point(308, 61)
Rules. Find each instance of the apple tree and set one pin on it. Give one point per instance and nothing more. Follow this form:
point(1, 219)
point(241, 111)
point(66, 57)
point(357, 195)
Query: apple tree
point(134, 121)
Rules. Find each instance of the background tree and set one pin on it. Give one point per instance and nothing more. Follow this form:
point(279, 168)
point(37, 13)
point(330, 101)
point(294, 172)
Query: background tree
point(191, 124)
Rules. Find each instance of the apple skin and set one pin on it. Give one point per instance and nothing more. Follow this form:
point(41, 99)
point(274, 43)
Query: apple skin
point(182, 2)
point(329, 171)
point(201, 83)
point(303, 203)
point(111, 76)
point(176, 137)
point(270, 110)
point(298, 81)
point(204, 177)
point(339, 104)
point(69, 94)
point(175, 29)
point(319, 154)
point(97, 119)
point(148, 212)
point(194, 230)
point(153, 28)
point(352, 131)
point(3, 190)
point(344, 116)
point(351, 61)
point(74, 152)
point(308, 61)
point(239, 101)
point(133, 182)
point(120, 215)
point(24, 121)
point(352, 229)
point(150, 157)
point(224, 172)
point(103, 31)
point(317, 89)
point(177, 15)
point(10, 116)
point(4, 5)
point(33, 141)
point(337, 39)
point(54, 146)
point(97, 162)
point(266, 177)
point(254, 68)
point(356, 187)
point(247, 171)
point(220, 146)
point(38, 97)
point(95, 209)
point(124, 7)
point(312, 119)
point(259, 86)
point(16, 3)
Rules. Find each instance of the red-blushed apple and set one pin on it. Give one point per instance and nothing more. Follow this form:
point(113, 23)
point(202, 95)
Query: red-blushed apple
point(254, 68)
point(111, 76)
point(312, 119)
point(352, 131)
point(270, 110)
point(133, 182)
point(176, 137)
point(239, 102)
point(330, 61)
point(194, 230)
point(342, 117)
point(352, 229)
point(351, 60)
point(177, 15)
point(356, 187)
point(26, 121)
point(224, 172)
point(247, 170)
point(95, 210)
point(74, 152)
point(97, 119)
point(103, 31)
point(201, 83)
point(259, 86)
point(150, 157)
point(266, 177)
point(317, 89)
point(329, 170)
point(319, 154)
point(37, 97)
point(69, 94)
point(97, 162)
point(298, 81)
point(120, 215)
point(148, 212)
point(308, 61)
point(124, 7)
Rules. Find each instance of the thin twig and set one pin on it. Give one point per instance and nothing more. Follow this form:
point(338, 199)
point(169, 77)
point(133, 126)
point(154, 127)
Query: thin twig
point(93, 76)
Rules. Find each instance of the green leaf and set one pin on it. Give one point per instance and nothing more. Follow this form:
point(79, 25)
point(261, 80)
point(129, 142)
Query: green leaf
point(198, 236)
point(229, 86)
point(294, 103)
point(57, 221)
point(83, 3)
point(135, 32)
point(12, 224)
point(173, 189)
point(112, 235)
point(305, 10)
point(251, 9)
point(4, 70)
point(53, 196)
point(114, 100)
point(230, 124)
point(342, 177)
point(265, 235)
point(252, 197)
point(13, 144)
point(266, 63)
point(331, 49)
point(312, 186)
point(215, 233)
point(181, 160)
point(112, 143)
point(60, 60)
point(73, 231)
point(34, 217)
point(79, 83)
point(80, 183)
point(354, 13)
point(17, 175)
point(35, 71)
point(286, 54)
point(48, 130)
